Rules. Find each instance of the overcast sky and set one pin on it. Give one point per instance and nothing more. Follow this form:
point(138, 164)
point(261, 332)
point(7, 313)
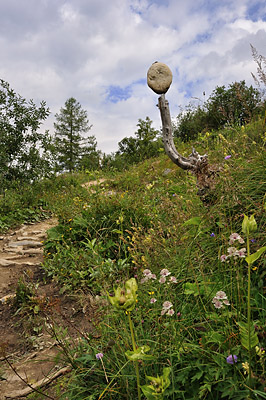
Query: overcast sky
point(99, 51)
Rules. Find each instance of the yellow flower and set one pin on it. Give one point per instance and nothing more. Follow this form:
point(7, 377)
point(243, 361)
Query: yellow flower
point(245, 366)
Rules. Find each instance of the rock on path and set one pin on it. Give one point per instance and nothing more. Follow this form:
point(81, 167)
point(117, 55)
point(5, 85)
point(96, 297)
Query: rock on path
point(21, 250)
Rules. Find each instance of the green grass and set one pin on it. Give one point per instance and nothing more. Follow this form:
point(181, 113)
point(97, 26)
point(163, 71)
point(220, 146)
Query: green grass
point(151, 218)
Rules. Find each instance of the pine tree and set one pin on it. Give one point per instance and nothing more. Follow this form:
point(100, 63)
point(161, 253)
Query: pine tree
point(70, 144)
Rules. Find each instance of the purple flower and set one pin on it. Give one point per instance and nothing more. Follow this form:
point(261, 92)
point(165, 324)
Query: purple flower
point(99, 356)
point(212, 234)
point(227, 157)
point(232, 359)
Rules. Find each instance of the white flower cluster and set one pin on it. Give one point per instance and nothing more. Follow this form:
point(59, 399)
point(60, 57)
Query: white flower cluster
point(233, 251)
point(167, 308)
point(163, 274)
point(220, 299)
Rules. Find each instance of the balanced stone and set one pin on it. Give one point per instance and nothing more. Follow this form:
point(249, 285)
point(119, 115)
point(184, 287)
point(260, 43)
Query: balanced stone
point(159, 77)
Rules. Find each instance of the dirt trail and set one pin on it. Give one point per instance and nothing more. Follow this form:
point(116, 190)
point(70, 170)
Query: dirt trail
point(21, 251)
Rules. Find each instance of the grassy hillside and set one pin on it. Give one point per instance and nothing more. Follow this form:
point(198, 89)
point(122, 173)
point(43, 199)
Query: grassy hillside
point(190, 322)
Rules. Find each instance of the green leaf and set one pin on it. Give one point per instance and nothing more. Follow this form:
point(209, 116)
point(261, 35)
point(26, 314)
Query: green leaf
point(243, 327)
point(253, 257)
point(139, 354)
point(191, 288)
point(258, 392)
point(193, 221)
point(150, 394)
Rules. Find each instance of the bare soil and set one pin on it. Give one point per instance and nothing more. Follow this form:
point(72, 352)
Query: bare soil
point(27, 342)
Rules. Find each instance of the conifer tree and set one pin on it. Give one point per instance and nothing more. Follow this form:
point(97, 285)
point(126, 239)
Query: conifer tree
point(70, 144)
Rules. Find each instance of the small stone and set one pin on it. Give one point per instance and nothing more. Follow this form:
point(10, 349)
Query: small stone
point(159, 77)
point(167, 171)
point(25, 238)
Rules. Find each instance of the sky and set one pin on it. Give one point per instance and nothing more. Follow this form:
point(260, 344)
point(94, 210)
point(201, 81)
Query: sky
point(99, 52)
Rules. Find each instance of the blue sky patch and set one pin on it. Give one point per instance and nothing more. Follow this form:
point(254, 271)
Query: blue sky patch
point(117, 93)
point(256, 11)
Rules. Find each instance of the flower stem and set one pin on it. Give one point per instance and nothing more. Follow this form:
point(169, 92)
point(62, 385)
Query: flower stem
point(249, 312)
point(134, 349)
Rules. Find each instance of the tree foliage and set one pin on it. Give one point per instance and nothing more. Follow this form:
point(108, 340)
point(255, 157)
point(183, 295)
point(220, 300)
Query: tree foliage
point(145, 145)
point(21, 145)
point(235, 105)
point(72, 149)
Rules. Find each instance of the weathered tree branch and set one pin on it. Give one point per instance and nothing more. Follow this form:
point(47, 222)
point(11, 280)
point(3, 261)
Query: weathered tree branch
point(194, 160)
point(196, 163)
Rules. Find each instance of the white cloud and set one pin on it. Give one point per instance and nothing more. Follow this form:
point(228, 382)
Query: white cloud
point(53, 50)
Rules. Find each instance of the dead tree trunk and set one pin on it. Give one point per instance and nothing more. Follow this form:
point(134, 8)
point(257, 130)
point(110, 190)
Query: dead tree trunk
point(195, 163)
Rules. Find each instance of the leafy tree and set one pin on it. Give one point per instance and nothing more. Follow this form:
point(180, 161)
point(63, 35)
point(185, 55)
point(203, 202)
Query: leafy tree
point(235, 105)
point(70, 145)
point(190, 122)
point(146, 144)
point(21, 144)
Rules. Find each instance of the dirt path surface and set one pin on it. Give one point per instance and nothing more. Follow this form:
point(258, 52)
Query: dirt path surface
point(24, 352)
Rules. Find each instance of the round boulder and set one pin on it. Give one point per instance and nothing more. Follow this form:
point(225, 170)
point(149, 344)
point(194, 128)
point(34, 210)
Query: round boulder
point(159, 77)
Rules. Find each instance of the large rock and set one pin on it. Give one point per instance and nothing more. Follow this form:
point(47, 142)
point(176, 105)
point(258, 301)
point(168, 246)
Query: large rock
point(27, 244)
point(159, 77)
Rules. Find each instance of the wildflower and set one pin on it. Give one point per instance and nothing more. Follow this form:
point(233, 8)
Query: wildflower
point(125, 297)
point(231, 251)
point(146, 272)
point(170, 312)
point(245, 365)
point(217, 303)
point(153, 300)
point(220, 299)
point(221, 295)
point(227, 157)
point(235, 236)
point(153, 276)
point(143, 280)
point(173, 279)
point(260, 351)
point(99, 356)
point(223, 258)
point(162, 279)
point(167, 305)
point(165, 272)
point(232, 359)
point(212, 234)
point(241, 253)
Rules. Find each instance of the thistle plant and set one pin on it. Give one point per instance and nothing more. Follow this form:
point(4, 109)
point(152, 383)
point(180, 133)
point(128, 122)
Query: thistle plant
point(124, 299)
